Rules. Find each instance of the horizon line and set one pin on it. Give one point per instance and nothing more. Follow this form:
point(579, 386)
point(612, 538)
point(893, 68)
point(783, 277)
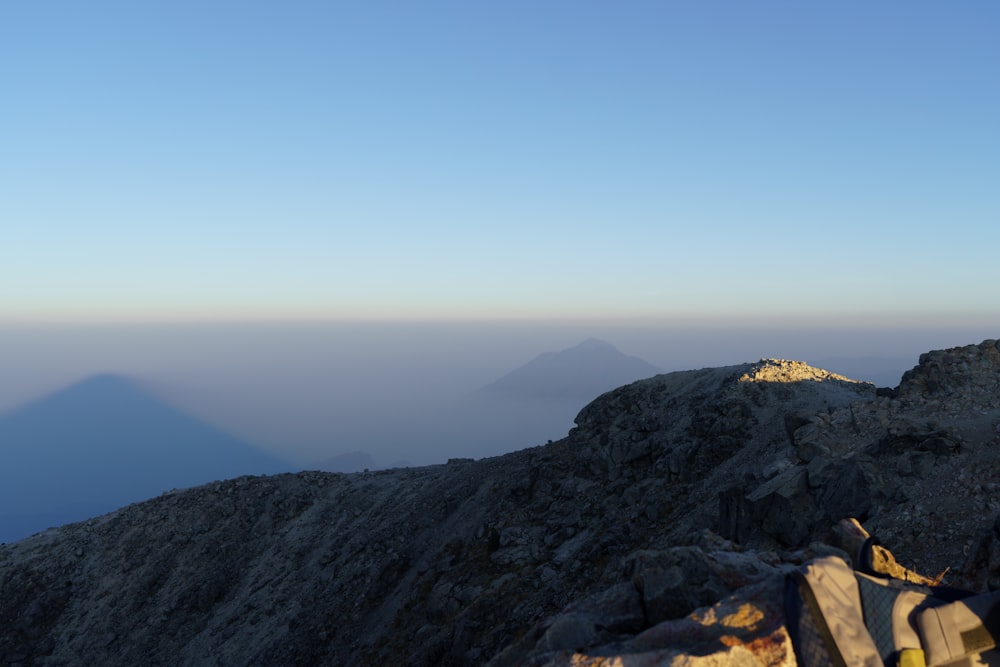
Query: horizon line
point(862, 320)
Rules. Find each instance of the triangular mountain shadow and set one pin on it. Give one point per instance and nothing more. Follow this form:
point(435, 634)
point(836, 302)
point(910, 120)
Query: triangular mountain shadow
point(581, 372)
point(103, 443)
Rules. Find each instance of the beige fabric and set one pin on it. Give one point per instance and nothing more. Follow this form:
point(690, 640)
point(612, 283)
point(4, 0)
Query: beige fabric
point(904, 627)
point(836, 593)
point(987, 659)
point(910, 600)
point(960, 629)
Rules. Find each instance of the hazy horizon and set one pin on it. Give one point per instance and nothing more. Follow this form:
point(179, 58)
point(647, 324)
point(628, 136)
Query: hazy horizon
point(321, 227)
point(312, 391)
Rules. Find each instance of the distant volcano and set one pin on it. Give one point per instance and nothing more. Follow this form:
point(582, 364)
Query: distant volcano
point(347, 462)
point(104, 443)
point(581, 372)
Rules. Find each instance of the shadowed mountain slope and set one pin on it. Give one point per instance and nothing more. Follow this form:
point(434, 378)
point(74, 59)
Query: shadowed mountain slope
point(584, 371)
point(658, 532)
point(103, 443)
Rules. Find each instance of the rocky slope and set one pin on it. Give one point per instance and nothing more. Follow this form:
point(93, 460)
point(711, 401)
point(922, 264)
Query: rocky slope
point(656, 532)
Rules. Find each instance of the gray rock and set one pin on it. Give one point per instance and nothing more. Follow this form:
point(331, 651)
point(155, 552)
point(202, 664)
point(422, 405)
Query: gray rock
point(594, 543)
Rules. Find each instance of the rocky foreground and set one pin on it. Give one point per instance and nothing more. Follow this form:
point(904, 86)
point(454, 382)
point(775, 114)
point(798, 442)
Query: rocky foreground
point(657, 532)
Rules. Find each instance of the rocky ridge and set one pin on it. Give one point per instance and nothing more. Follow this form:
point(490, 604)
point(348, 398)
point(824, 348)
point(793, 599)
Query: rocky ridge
point(657, 532)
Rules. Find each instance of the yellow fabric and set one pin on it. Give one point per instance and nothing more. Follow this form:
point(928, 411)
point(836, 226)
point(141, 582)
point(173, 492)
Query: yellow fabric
point(912, 657)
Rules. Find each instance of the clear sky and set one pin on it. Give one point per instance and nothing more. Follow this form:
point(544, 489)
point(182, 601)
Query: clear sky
point(524, 159)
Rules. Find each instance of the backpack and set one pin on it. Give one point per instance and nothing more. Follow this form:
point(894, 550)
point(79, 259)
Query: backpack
point(838, 616)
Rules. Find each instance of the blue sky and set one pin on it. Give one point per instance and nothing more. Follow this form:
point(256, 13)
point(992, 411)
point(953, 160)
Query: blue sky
point(593, 160)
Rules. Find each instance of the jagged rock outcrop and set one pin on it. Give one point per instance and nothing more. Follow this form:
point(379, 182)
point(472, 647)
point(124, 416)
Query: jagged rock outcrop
point(685, 437)
point(926, 449)
point(657, 531)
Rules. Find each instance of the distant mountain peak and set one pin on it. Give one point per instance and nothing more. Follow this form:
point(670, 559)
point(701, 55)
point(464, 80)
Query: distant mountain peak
point(100, 387)
point(593, 346)
point(583, 371)
point(106, 378)
point(594, 343)
point(355, 461)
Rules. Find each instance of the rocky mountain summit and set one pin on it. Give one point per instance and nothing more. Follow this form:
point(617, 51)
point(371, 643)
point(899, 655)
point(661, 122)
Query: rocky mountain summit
point(657, 532)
